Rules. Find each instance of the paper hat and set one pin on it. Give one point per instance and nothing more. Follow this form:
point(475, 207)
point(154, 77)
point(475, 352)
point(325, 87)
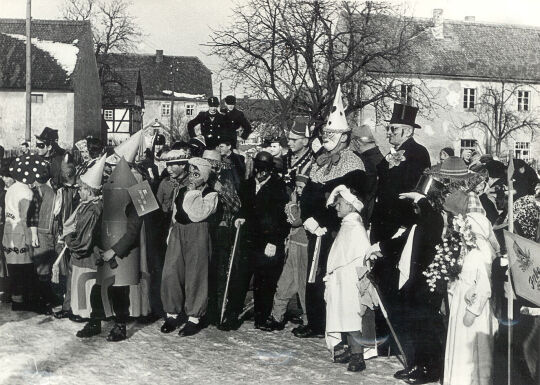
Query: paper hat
point(121, 177)
point(130, 147)
point(92, 177)
point(175, 157)
point(337, 121)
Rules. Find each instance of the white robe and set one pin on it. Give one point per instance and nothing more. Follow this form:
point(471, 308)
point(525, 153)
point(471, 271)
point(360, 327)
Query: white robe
point(343, 309)
point(469, 350)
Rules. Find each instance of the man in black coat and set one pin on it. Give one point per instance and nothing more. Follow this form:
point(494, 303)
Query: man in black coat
point(237, 122)
point(48, 149)
point(398, 173)
point(213, 124)
point(237, 161)
point(262, 249)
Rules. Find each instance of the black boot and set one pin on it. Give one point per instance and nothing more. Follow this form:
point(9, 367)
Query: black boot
point(307, 332)
point(344, 357)
point(405, 373)
point(189, 329)
point(357, 363)
point(230, 324)
point(271, 324)
point(170, 325)
point(118, 333)
point(92, 328)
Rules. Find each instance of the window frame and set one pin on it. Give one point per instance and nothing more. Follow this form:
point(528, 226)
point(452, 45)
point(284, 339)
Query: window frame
point(165, 106)
point(406, 94)
point(469, 99)
point(524, 100)
point(190, 107)
point(520, 148)
point(106, 112)
point(36, 98)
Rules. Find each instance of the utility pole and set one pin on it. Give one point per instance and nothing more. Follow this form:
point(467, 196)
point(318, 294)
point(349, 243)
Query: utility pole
point(220, 91)
point(28, 131)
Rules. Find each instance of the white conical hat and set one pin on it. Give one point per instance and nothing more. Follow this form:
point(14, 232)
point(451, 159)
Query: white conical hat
point(337, 121)
point(130, 147)
point(92, 176)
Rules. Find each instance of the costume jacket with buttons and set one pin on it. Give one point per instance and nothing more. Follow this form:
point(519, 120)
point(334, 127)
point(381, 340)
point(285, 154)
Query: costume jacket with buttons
point(213, 127)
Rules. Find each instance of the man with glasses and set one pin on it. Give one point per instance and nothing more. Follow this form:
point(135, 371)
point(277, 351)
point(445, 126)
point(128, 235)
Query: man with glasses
point(48, 148)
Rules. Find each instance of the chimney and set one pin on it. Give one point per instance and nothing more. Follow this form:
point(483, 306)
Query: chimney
point(437, 29)
point(159, 56)
point(470, 19)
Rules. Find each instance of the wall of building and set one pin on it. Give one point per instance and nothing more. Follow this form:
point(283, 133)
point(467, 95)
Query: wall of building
point(152, 110)
point(441, 125)
point(56, 111)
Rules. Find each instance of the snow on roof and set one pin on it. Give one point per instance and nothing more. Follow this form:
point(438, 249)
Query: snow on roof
point(184, 95)
point(65, 54)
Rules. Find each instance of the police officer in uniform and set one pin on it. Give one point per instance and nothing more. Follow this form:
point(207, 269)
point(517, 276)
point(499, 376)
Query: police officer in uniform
point(236, 120)
point(213, 124)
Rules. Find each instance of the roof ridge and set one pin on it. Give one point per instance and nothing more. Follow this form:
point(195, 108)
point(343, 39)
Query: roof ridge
point(150, 54)
point(45, 21)
point(483, 23)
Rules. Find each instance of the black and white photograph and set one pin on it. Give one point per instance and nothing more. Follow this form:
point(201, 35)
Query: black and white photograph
point(269, 192)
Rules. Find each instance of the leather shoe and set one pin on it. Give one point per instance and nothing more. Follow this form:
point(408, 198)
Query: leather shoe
point(230, 324)
point(422, 376)
point(405, 373)
point(344, 357)
point(357, 363)
point(189, 329)
point(118, 333)
point(271, 324)
point(92, 328)
point(170, 325)
point(307, 332)
point(61, 314)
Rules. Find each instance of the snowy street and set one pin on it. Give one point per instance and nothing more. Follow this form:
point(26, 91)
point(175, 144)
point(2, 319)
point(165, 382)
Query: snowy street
point(37, 349)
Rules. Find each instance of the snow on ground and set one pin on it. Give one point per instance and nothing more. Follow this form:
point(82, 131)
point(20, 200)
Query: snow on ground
point(36, 349)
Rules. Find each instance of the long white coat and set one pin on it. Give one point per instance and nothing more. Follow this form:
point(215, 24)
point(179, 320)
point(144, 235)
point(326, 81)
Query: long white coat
point(469, 350)
point(343, 309)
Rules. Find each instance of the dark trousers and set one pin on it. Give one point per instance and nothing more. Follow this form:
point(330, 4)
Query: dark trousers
point(119, 297)
point(218, 270)
point(24, 282)
point(157, 229)
point(315, 304)
point(252, 262)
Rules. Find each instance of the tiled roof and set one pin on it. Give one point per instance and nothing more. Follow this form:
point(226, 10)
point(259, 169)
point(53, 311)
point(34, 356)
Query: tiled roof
point(476, 50)
point(120, 87)
point(192, 77)
point(47, 72)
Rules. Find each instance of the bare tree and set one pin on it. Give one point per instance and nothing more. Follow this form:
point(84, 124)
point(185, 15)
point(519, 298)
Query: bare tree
point(501, 111)
point(298, 51)
point(114, 28)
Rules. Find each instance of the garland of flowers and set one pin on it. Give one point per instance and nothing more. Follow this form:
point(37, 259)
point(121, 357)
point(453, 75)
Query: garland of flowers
point(448, 261)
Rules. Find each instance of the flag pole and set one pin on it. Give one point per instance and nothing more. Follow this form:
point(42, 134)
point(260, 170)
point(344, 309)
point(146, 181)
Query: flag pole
point(510, 291)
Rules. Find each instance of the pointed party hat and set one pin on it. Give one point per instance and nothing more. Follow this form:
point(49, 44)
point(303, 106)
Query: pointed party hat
point(130, 147)
point(121, 177)
point(92, 177)
point(337, 121)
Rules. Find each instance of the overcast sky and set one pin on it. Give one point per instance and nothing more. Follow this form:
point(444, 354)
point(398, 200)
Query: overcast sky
point(179, 27)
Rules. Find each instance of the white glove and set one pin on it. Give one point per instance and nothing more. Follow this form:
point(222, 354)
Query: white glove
point(373, 252)
point(239, 222)
point(320, 231)
point(270, 250)
point(311, 225)
point(413, 195)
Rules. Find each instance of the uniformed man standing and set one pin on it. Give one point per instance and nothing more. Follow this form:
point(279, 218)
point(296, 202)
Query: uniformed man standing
point(213, 124)
point(237, 123)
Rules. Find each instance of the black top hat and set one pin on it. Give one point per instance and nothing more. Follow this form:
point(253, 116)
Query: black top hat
point(404, 114)
point(230, 99)
point(48, 135)
point(213, 101)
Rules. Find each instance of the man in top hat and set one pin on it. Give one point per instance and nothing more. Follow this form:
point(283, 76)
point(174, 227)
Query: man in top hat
point(213, 124)
point(48, 148)
point(237, 123)
point(337, 164)
point(398, 173)
point(299, 158)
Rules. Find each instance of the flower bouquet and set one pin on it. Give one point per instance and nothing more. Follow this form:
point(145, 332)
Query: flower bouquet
point(446, 265)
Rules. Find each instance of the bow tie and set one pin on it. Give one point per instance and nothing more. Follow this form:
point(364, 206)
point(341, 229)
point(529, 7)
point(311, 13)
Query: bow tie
point(329, 160)
point(394, 158)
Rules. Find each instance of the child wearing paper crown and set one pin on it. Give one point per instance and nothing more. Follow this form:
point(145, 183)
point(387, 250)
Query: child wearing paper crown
point(344, 304)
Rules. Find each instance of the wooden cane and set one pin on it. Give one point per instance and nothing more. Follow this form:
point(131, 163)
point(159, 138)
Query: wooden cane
point(233, 252)
point(510, 294)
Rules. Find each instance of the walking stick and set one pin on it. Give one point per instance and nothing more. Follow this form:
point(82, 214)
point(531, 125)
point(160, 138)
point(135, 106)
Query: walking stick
point(315, 261)
point(385, 314)
point(233, 252)
point(55, 278)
